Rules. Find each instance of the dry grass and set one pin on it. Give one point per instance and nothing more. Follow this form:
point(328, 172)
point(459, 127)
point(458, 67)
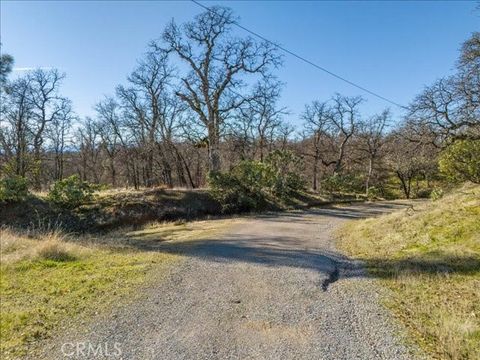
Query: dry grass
point(430, 257)
point(17, 246)
point(55, 250)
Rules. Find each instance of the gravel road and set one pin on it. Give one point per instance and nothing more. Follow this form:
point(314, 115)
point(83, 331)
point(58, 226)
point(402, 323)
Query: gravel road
point(272, 288)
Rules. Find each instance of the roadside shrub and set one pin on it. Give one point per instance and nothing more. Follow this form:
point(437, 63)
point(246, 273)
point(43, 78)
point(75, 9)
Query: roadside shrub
point(425, 193)
point(343, 183)
point(461, 161)
point(255, 176)
point(251, 184)
point(71, 192)
point(13, 189)
point(283, 175)
point(233, 195)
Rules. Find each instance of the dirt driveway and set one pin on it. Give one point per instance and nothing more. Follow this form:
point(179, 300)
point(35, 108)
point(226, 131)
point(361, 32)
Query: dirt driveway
point(273, 287)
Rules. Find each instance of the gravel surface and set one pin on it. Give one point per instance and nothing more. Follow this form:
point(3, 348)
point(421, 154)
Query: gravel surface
point(273, 288)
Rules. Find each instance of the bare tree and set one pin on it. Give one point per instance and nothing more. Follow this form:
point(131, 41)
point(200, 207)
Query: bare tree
point(217, 62)
point(258, 122)
point(344, 116)
point(150, 80)
point(108, 129)
point(316, 128)
point(450, 108)
point(15, 134)
point(152, 114)
point(57, 135)
point(46, 105)
point(331, 126)
point(267, 117)
point(88, 140)
point(410, 160)
point(372, 138)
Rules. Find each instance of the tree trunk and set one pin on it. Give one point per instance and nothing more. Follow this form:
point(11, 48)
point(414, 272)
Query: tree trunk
point(369, 175)
point(136, 176)
point(198, 171)
point(180, 161)
point(189, 174)
point(60, 165)
point(37, 172)
point(113, 172)
point(167, 173)
point(406, 184)
point(148, 170)
point(261, 148)
point(339, 162)
point(315, 172)
point(214, 161)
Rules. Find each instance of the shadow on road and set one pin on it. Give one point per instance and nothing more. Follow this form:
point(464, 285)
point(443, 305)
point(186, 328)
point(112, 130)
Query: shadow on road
point(358, 211)
point(276, 252)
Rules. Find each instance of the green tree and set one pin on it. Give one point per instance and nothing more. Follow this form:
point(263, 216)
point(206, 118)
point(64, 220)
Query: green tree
point(461, 161)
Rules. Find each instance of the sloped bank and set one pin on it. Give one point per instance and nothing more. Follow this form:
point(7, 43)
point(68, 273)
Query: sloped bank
point(429, 257)
point(116, 208)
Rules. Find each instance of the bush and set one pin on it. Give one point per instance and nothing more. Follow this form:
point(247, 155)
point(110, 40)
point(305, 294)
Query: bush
point(255, 176)
point(241, 189)
point(250, 184)
point(71, 192)
point(423, 193)
point(13, 189)
point(461, 161)
point(283, 173)
point(343, 183)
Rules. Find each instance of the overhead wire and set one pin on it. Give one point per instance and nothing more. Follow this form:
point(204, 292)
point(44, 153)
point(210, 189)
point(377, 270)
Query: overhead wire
point(305, 59)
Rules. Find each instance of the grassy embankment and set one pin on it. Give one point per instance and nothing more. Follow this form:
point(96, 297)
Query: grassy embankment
point(109, 209)
point(49, 280)
point(429, 257)
point(120, 207)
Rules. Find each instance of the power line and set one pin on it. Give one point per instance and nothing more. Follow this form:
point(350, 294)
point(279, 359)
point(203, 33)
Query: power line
point(304, 59)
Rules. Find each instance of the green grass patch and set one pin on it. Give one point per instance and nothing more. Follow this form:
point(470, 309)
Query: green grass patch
point(429, 256)
point(40, 295)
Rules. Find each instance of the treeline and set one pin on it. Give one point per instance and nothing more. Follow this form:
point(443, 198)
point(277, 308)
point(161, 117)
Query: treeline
point(202, 100)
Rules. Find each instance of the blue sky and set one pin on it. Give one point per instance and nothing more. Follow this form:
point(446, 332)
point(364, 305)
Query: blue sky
point(392, 48)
